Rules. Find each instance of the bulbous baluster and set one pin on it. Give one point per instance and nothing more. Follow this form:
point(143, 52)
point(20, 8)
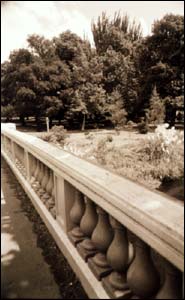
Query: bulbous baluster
point(142, 276)
point(47, 185)
point(53, 188)
point(36, 174)
point(33, 168)
point(102, 237)
point(49, 197)
point(119, 256)
point(87, 225)
point(43, 182)
point(172, 286)
point(76, 214)
point(18, 157)
point(16, 154)
point(23, 162)
point(39, 177)
point(50, 203)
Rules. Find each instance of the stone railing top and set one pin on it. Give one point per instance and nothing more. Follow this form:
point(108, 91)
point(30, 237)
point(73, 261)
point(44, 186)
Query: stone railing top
point(154, 217)
point(8, 126)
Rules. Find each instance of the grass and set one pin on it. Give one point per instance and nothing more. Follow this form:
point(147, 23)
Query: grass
point(129, 154)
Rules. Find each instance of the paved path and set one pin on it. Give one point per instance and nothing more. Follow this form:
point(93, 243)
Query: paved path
point(24, 273)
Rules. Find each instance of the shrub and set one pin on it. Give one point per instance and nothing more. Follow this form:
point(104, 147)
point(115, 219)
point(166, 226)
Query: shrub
point(143, 127)
point(86, 132)
point(56, 135)
point(131, 123)
point(90, 136)
point(109, 138)
point(159, 156)
point(47, 137)
point(156, 111)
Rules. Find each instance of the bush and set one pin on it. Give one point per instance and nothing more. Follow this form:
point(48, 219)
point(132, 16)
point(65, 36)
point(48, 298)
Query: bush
point(131, 123)
point(86, 132)
point(47, 137)
point(56, 135)
point(109, 138)
point(89, 135)
point(156, 111)
point(143, 127)
point(159, 156)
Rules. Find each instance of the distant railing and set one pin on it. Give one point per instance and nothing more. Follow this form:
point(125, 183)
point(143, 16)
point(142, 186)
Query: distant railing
point(121, 239)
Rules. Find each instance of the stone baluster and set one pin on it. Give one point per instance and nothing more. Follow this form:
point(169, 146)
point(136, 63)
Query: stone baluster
point(119, 256)
point(47, 198)
point(43, 194)
point(172, 285)
point(23, 161)
point(35, 182)
point(76, 214)
point(8, 147)
point(50, 184)
point(88, 223)
point(16, 151)
point(33, 168)
point(47, 186)
point(18, 156)
point(51, 189)
point(102, 237)
point(39, 177)
point(142, 276)
point(43, 182)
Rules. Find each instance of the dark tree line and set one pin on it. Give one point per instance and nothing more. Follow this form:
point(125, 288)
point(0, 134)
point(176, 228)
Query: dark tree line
point(66, 79)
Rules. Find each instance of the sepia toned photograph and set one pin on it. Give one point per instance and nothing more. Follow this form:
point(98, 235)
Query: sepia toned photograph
point(92, 149)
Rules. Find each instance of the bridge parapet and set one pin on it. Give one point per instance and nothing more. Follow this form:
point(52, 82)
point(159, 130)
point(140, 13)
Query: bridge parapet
point(120, 238)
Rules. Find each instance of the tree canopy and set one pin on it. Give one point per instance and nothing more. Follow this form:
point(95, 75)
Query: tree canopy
point(67, 79)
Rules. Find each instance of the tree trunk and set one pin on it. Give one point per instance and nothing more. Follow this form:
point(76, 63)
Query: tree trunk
point(83, 123)
point(22, 120)
point(37, 123)
point(50, 122)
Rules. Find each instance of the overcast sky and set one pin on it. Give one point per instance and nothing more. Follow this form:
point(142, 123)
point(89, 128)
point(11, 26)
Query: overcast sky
point(50, 18)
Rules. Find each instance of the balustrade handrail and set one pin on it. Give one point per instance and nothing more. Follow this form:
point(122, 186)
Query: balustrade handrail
point(154, 217)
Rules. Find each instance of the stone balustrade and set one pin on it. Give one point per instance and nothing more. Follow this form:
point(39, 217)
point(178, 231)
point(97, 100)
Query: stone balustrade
point(122, 240)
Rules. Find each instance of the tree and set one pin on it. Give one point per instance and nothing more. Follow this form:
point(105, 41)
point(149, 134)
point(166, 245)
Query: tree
point(8, 112)
point(116, 111)
point(118, 33)
point(116, 42)
point(160, 60)
point(156, 111)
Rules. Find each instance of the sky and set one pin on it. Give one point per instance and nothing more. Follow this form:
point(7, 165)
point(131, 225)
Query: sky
point(50, 18)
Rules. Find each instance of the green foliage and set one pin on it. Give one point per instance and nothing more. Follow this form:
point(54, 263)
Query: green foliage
point(156, 112)
point(116, 110)
point(56, 135)
point(143, 127)
point(160, 59)
point(131, 124)
point(67, 79)
point(119, 32)
point(8, 112)
point(109, 138)
point(148, 162)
